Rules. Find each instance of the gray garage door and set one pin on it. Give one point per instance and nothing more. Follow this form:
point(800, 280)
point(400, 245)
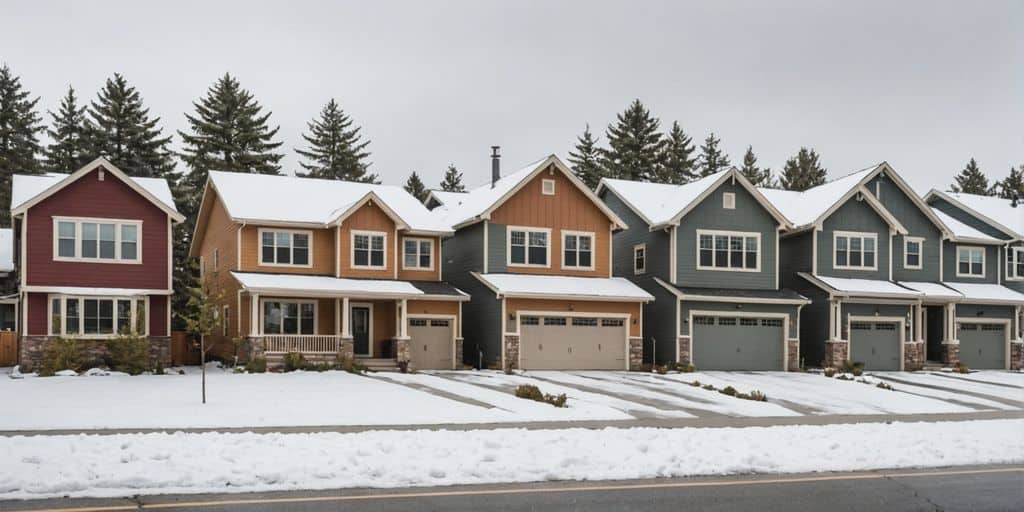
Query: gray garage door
point(876, 344)
point(572, 343)
point(983, 345)
point(430, 343)
point(731, 343)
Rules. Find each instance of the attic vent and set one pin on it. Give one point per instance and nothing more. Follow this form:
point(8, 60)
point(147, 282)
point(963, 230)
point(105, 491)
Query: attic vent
point(548, 187)
point(100, 174)
point(729, 200)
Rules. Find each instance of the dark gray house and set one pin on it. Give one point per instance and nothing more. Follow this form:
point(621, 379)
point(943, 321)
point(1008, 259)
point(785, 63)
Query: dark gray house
point(708, 251)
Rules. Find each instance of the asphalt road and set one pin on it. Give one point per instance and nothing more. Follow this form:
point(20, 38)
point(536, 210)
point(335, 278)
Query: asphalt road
point(977, 489)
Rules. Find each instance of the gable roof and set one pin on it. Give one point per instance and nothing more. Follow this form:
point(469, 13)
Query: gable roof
point(994, 211)
point(963, 233)
point(28, 190)
point(811, 207)
point(444, 199)
point(661, 204)
point(476, 205)
point(311, 202)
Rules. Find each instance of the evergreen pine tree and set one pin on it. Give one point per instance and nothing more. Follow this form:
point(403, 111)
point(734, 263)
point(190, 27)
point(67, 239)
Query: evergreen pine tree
point(336, 150)
point(759, 177)
point(678, 163)
point(118, 126)
point(452, 181)
point(802, 171)
point(635, 145)
point(585, 159)
point(972, 181)
point(712, 159)
point(414, 185)
point(1012, 187)
point(69, 149)
point(19, 136)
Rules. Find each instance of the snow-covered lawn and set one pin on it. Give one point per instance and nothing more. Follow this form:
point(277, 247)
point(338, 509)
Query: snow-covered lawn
point(124, 465)
point(969, 385)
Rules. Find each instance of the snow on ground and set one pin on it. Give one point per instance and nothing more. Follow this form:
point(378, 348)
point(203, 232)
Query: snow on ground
point(124, 465)
point(927, 379)
point(1014, 378)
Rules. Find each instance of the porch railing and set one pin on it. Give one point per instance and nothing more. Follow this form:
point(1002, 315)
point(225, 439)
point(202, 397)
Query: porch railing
point(306, 344)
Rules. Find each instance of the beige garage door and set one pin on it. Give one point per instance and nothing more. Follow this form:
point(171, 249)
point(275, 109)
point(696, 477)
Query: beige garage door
point(572, 343)
point(430, 343)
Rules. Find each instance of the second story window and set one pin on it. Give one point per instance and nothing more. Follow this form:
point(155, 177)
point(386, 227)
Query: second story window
point(727, 250)
point(418, 254)
point(912, 249)
point(970, 262)
point(640, 259)
point(280, 247)
point(578, 250)
point(97, 240)
point(855, 251)
point(528, 247)
point(368, 249)
point(1015, 263)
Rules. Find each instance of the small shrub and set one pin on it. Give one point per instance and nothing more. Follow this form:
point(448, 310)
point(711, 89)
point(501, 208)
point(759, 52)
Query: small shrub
point(757, 396)
point(529, 391)
point(829, 372)
point(843, 376)
point(129, 353)
point(854, 367)
point(684, 368)
point(695, 383)
point(62, 354)
point(729, 390)
point(159, 368)
point(961, 368)
point(662, 370)
point(708, 387)
point(294, 361)
point(403, 366)
point(884, 386)
point(857, 372)
point(557, 401)
point(256, 365)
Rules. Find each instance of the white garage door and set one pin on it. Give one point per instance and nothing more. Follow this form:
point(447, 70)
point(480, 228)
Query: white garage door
point(430, 343)
point(554, 342)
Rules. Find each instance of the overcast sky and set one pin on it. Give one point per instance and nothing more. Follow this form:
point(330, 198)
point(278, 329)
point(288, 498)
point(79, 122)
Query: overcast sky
point(922, 85)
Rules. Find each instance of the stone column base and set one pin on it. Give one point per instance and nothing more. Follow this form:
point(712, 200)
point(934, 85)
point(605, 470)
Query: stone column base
point(913, 356)
point(457, 356)
point(836, 353)
point(1016, 356)
point(253, 349)
point(636, 353)
point(793, 355)
point(950, 354)
point(684, 350)
point(511, 361)
point(402, 354)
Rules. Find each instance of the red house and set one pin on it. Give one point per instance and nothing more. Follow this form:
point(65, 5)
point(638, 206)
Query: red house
point(93, 254)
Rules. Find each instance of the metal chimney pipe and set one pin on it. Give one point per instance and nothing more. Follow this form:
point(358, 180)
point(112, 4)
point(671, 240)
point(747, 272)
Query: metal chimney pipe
point(495, 165)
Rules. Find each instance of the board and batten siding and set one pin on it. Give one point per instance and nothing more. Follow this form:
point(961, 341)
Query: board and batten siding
point(796, 253)
point(992, 263)
point(918, 226)
point(369, 217)
point(748, 216)
point(954, 211)
point(856, 216)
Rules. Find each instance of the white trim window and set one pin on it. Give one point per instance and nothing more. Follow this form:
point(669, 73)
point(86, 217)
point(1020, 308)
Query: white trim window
point(970, 261)
point(97, 240)
point(913, 252)
point(640, 259)
point(97, 317)
point(368, 250)
point(529, 247)
point(547, 187)
point(1015, 263)
point(729, 200)
point(417, 254)
point(728, 250)
point(288, 317)
point(286, 248)
point(854, 251)
point(578, 250)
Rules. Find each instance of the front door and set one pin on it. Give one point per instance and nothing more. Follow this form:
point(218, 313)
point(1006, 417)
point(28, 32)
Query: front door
point(361, 330)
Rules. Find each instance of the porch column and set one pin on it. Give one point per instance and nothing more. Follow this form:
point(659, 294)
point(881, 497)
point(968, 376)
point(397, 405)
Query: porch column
point(920, 322)
point(254, 314)
point(346, 331)
point(403, 319)
point(951, 323)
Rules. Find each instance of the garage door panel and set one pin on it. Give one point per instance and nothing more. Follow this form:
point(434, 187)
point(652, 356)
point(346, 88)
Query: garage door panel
point(876, 344)
point(571, 343)
point(430, 343)
point(982, 345)
point(738, 343)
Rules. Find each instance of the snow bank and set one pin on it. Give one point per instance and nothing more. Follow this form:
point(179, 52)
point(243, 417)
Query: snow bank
point(104, 466)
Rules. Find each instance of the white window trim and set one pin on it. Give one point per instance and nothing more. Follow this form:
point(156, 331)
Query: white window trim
point(729, 200)
point(352, 250)
point(81, 315)
point(970, 248)
point(1018, 255)
point(744, 234)
point(117, 240)
point(593, 249)
point(636, 270)
point(854, 234)
point(293, 232)
point(418, 241)
point(544, 184)
point(920, 252)
point(300, 302)
point(528, 230)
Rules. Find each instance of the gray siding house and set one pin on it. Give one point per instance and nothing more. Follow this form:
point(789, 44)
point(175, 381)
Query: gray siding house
point(708, 251)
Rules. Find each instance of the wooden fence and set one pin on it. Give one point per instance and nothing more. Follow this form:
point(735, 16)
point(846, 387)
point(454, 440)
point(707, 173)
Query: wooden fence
point(184, 351)
point(8, 348)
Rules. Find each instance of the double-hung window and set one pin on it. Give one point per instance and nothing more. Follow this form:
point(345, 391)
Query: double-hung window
point(289, 317)
point(577, 250)
point(368, 249)
point(1015, 263)
point(528, 247)
point(285, 247)
point(640, 259)
point(913, 248)
point(99, 240)
point(855, 251)
point(970, 261)
point(418, 254)
point(96, 316)
point(728, 250)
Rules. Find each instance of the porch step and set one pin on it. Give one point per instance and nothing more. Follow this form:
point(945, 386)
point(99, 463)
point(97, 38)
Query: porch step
point(378, 364)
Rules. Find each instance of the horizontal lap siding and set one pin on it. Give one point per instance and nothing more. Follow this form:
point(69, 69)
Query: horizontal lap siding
point(580, 307)
point(108, 199)
point(855, 216)
point(992, 263)
point(323, 252)
point(220, 235)
point(962, 216)
point(623, 242)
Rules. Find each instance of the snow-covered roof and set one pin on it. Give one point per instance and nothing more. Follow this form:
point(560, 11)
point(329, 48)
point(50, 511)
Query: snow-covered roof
point(860, 287)
point(983, 292)
point(931, 290)
point(24, 187)
point(963, 231)
point(584, 288)
point(446, 199)
point(6, 250)
point(803, 208)
point(993, 209)
point(303, 285)
point(290, 199)
point(658, 203)
point(476, 203)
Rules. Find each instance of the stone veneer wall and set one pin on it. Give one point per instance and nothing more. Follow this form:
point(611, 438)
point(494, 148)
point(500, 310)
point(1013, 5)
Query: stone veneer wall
point(32, 348)
point(913, 355)
point(636, 353)
point(458, 354)
point(684, 350)
point(836, 353)
point(1016, 356)
point(511, 361)
point(793, 355)
point(950, 353)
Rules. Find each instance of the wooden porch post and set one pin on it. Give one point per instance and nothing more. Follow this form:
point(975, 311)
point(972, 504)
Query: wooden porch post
point(254, 314)
point(346, 330)
point(403, 327)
